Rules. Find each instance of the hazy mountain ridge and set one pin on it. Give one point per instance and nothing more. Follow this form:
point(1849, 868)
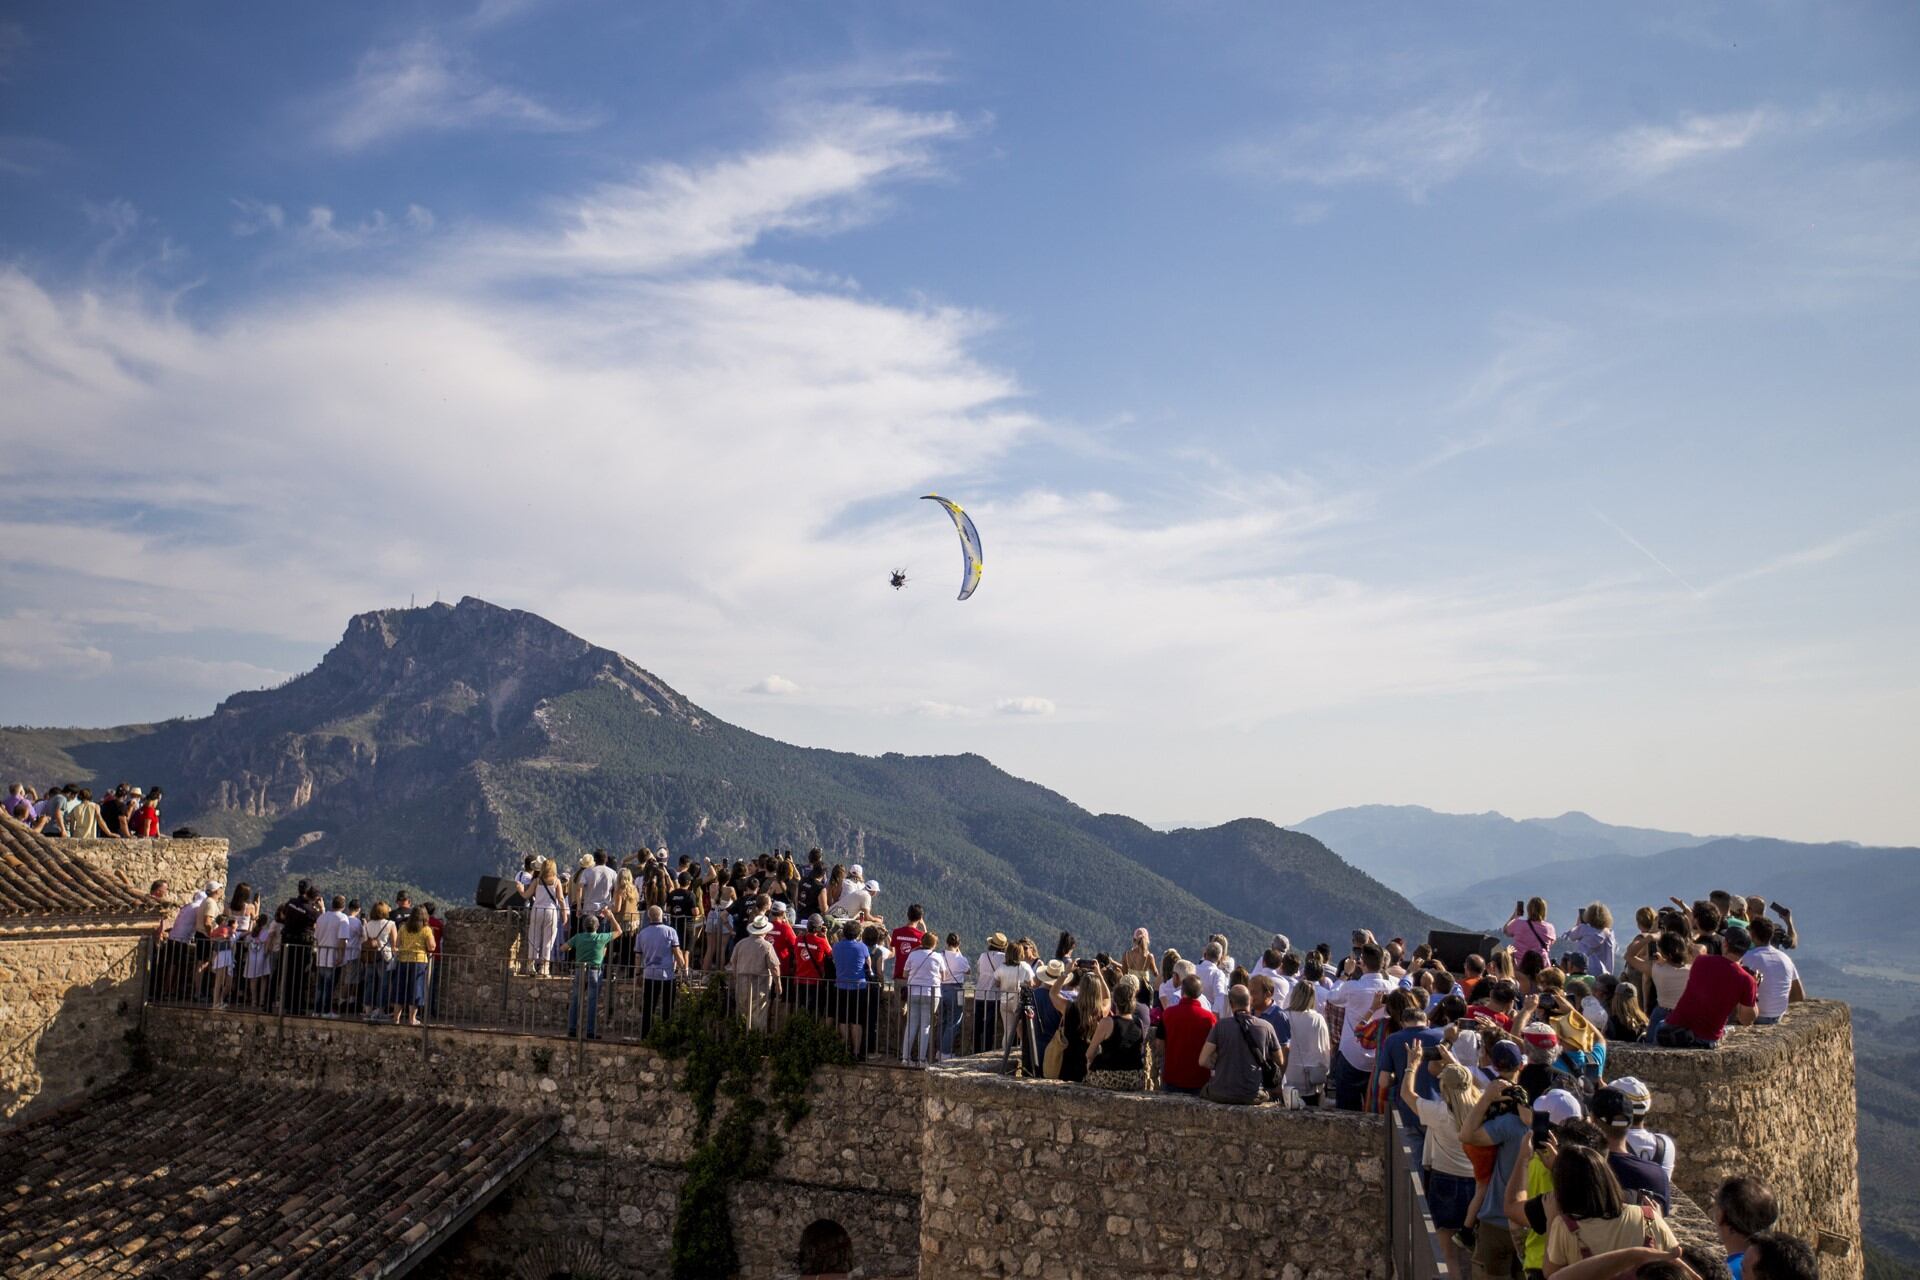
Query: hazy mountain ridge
point(1417, 849)
point(433, 745)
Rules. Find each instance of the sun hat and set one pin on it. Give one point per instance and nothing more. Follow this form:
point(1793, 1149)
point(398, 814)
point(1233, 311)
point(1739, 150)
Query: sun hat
point(1639, 1097)
point(758, 925)
point(1054, 970)
point(1506, 1055)
point(1560, 1105)
point(996, 942)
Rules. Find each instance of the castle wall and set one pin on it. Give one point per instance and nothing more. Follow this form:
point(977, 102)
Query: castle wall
point(1775, 1102)
point(186, 865)
point(69, 994)
point(1060, 1182)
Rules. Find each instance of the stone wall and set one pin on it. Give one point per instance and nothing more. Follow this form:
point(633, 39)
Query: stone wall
point(69, 996)
point(1060, 1182)
point(1776, 1102)
point(186, 865)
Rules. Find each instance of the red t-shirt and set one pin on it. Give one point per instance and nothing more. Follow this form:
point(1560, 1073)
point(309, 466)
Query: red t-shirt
point(1186, 1027)
point(1715, 986)
point(1502, 1020)
point(784, 940)
point(906, 940)
point(810, 957)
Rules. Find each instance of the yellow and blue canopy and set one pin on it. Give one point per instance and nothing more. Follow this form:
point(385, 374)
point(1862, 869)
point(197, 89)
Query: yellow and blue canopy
point(973, 560)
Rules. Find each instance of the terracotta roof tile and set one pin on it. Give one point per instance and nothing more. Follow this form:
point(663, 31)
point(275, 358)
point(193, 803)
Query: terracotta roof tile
point(197, 1176)
point(38, 877)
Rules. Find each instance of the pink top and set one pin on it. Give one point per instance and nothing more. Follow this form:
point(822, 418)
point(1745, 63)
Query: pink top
point(1529, 935)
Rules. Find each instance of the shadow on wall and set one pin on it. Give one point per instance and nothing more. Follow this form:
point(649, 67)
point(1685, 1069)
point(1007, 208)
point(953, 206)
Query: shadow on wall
point(59, 1041)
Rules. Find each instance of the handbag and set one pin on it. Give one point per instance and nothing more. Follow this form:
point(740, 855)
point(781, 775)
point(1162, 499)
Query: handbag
point(1056, 1054)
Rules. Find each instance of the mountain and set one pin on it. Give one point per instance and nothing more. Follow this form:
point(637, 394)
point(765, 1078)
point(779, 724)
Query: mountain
point(1417, 850)
point(433, 745)
point(1849, 901)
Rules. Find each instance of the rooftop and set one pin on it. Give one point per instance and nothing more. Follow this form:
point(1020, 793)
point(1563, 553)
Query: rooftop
point(192, 1175)
point(39, 878)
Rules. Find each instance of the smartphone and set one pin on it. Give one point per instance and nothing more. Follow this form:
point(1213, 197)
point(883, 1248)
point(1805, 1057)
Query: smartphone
point(1542, 1128)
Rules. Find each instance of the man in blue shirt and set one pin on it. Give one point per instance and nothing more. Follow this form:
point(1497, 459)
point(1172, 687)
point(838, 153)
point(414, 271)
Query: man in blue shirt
point(662, 959)
point(1404, 1049)
point(1502, 1118)
point(852, 960)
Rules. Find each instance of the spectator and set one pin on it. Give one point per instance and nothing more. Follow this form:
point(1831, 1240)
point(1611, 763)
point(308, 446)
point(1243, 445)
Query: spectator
point(328, 932)
point(146, 815)
point(297, 917)
point(1084, 1021)
point(856, 897)
point(1774, 971)
point(1214, 982)
point(1669, 968)
point(953, 995)
point(351, 937)
point(851, 961)
point(589, 947)
point(1138, 958)
point(811, 967)
point(683, 908)
point(906, 940)
point(1529, 930)
point(413, 950)
point(262, 949)
point(986, 992)
point(1241, 1052)
point(1450, 1181)
point(544, 921)
point(1119, 1051)
point(1265, 989)
point(1641, 1140)
point(1742, 1209)
point(1625, 1021)
point(1185, 1028)
point(1500, 1118)
point(717, 931)
point(924, 972)
point(1594, 1215)
point(83, 817)
point(1592, 938)
point(1718, 991)
point(1637, 1175)
point(626, 914)
point(1772, 1255)
point(1400, 1056)
point(376, 961)
point(1357, 998)
point(756, 974)
point(1309, 1047)
point(662, 960)
point(49, 817)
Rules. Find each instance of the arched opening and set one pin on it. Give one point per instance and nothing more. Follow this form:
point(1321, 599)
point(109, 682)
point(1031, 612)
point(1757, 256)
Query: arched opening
point(825, 1249)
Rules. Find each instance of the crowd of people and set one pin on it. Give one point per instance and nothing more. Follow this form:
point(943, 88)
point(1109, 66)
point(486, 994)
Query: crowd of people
point(310, 956)
point(1536, 1161)
point(68, 810)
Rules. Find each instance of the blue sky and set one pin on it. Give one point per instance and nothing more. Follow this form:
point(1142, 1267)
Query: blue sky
point(1507, 408)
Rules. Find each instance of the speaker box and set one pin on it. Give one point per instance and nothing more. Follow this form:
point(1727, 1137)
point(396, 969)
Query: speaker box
point(1452, 948)
point(496, 893)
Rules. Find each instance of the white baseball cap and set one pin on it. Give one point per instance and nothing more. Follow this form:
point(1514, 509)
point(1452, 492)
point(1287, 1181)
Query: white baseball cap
point(1560, 1105)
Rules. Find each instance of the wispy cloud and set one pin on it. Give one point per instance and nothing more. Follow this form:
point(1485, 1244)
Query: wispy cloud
point(1644, 550)
point(1025, 706)
point(422, 86)
point(774, 686)
point(1649, 150)
point(1818, 553)
point(319, 228)
point(1416, 149)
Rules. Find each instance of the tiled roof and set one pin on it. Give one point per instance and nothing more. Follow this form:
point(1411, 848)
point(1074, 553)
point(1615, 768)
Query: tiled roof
point(185, 1175)
point(37, 877)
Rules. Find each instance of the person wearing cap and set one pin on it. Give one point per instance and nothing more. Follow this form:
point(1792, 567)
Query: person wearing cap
point(1502, 1118)
point(785, 941)
point(1637, 1175)
point(1641, 1140)
point(855, 900)
point(1542, 1045)
point(986, 992)
point(593, 887)
point(1558, 1124)
point(756, 973)
point(1718, 991)
point(810, 952)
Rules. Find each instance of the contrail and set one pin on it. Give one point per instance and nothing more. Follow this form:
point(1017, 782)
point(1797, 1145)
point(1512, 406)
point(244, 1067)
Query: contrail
point(1641, 547)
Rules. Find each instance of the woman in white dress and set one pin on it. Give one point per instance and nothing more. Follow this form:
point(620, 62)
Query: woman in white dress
point(549, 900)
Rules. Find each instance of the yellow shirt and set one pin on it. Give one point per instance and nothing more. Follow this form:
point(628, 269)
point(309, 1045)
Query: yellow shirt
point(415, 946)
point(1539, 1186)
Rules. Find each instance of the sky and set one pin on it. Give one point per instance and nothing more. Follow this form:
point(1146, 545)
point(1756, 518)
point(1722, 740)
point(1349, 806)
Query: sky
point(1509, 407)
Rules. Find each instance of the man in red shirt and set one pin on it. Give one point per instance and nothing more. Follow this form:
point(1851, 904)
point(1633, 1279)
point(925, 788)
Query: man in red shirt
point(1185, 1028)
point(906, 941)
point(1718, 990)
point(785, 941)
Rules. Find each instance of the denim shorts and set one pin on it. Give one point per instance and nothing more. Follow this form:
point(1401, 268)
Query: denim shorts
point(1448, 1196)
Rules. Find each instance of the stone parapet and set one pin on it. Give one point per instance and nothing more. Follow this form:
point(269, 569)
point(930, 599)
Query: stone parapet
point(1064, 1182)
point(1775, 1102)
point(69, 996)
point(186, 865)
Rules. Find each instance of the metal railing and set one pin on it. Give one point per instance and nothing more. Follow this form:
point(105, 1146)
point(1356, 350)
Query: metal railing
point(616, 1001)
point(1413, 1243)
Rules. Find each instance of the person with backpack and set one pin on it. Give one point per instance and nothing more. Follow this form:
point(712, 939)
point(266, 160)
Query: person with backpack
point(1593, 1214)
point(1242, 1052)
point(376, 961)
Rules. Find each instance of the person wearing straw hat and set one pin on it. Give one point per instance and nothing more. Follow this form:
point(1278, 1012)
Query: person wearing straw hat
point(986, 992)
point(756, 973)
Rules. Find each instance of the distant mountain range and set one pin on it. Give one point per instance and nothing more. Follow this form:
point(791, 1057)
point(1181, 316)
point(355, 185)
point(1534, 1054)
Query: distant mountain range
point(1419, 851)
point(433, 745)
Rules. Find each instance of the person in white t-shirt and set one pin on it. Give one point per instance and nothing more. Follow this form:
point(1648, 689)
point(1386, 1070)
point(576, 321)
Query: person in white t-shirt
point(593, 886)
point(351, 935)
point(1775, 971)
point(1357, 998)
point(327, 953)
point(1215, 979)
point(1642, 1140)
point(925, 974)
point(986, 993)
point(1015, 973)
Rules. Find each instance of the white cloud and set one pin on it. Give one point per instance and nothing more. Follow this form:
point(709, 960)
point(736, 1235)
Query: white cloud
point(1024, 706)
point(1649, 150)
point(423, 86)
point(776, 686)
point(322, 229)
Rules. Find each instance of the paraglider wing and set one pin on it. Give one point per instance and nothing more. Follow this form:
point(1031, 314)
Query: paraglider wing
point(972, 559)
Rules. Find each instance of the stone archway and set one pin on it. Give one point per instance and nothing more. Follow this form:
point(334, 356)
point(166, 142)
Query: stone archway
point(825, 1249)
